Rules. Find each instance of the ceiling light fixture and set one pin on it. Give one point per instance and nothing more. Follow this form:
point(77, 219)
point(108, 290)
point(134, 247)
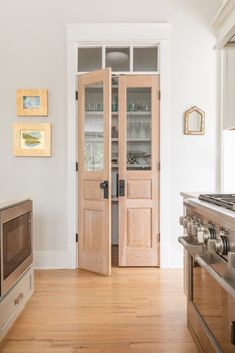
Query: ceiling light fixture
point(116, 57)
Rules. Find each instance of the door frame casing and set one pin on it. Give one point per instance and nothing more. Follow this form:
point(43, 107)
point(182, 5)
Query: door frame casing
point(90, 34)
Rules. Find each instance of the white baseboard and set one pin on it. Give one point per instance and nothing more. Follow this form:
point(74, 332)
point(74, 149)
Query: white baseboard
point(175, 259)
point(50, 260)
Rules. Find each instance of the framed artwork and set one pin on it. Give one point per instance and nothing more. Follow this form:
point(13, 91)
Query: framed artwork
point(32, 140)
point(194, 121)
point(31, 102)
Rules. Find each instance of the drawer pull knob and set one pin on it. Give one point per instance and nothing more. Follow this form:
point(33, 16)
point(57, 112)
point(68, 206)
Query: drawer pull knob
point(19, 298)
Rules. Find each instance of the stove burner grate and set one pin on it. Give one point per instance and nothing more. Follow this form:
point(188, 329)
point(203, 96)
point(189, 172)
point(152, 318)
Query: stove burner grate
point(223, 200)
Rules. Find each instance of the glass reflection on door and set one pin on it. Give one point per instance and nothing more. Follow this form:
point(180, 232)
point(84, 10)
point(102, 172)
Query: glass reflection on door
point(94, 128)
point(139, 128)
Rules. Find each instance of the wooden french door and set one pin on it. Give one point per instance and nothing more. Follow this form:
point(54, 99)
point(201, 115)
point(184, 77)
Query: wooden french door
point(139, 170)
point(94, 173)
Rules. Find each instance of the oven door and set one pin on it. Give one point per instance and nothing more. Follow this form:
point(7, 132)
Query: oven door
point(213, 295)
point(16, 243)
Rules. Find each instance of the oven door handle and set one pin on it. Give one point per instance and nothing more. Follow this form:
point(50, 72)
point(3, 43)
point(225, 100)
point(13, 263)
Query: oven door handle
point(220, 280)
point(193, 249)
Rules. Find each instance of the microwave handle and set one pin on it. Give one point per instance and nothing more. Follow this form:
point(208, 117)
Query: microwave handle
point(193, 249)
point(221, 281)
point(233, 332)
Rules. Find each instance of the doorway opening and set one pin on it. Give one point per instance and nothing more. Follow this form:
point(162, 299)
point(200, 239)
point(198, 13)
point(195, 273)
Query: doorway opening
point(118, 170)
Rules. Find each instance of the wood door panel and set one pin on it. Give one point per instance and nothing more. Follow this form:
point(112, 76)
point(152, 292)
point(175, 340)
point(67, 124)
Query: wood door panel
point(92, 190)
point(139, 205)
point(94, 219)
point(93, 230)
point(139, 189)
point(139, 228)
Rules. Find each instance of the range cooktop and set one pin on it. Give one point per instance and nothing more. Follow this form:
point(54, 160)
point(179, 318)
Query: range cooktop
point(223, 200)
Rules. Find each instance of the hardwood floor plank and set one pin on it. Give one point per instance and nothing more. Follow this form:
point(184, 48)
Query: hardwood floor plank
point(136, 310)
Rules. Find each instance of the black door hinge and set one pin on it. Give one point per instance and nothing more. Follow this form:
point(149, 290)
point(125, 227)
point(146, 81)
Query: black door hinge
point(159, 95)
point(76, 95)
point(76, 167)
point(158, 237)
point(76, 237)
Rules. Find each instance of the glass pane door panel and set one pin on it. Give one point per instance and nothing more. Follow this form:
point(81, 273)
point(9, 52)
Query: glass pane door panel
point(139, 128)
point(94, 128)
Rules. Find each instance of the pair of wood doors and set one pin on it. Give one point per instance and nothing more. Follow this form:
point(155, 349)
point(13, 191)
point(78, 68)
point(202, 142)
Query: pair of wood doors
point(138, 170)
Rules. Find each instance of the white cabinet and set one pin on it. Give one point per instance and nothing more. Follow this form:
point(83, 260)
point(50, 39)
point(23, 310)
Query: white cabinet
point(14, 301)
point(229, 88)
point(224, 23)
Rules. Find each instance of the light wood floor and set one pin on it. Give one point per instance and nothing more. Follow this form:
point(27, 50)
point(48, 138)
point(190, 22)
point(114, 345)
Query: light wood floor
point(136, 310)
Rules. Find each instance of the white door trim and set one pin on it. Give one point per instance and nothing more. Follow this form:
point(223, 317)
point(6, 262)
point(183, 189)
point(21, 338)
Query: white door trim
point(116, 33)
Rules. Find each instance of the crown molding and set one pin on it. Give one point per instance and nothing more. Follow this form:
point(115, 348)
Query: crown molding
point(224, 12)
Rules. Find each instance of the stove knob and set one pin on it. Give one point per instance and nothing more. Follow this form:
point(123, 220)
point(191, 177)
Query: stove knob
point(181, 220)
point(209, 232)
point(194, 229)
point(211, 246)
point(220, 245)
point(189, 227)
point(185, 222)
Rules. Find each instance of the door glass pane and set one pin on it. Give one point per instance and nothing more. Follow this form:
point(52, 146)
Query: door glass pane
point(94, 128)
point(139, 128)
point(89, 59)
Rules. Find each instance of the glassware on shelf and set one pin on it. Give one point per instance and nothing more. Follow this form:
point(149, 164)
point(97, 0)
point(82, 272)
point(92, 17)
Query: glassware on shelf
point(92, 105)
point(146, 128)
point(138, 128)
point(130, 125)
point(114, 104)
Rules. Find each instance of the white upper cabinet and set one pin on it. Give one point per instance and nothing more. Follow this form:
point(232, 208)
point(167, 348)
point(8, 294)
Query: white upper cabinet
point(224, 23)
point(229, 89)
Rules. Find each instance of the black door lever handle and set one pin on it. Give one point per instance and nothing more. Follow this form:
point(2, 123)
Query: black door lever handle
point(121, 190)
point(105, 186)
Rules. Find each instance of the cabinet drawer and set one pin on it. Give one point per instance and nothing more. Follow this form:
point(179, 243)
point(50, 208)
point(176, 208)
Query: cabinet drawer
point(15, 298)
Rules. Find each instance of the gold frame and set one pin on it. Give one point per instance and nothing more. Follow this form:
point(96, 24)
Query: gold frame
point(18, 151)
point(23, 111)
point(186, 121)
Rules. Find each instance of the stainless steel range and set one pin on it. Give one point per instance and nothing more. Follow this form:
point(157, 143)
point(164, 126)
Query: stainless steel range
point(209, 243)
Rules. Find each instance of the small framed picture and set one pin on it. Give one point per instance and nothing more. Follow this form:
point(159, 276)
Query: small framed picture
point(194, 121)
point(32, 140)
point(31, 102)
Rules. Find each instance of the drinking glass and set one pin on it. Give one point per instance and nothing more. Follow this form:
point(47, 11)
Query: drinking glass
point(129, 129)
point(138, 128)
point(146, 128)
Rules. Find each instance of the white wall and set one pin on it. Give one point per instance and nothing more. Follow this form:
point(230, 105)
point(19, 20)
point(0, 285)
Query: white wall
point(32, 54)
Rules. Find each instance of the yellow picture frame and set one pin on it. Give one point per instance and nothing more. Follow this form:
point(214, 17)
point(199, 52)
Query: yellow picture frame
point(32, 140)
point(31, 102)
